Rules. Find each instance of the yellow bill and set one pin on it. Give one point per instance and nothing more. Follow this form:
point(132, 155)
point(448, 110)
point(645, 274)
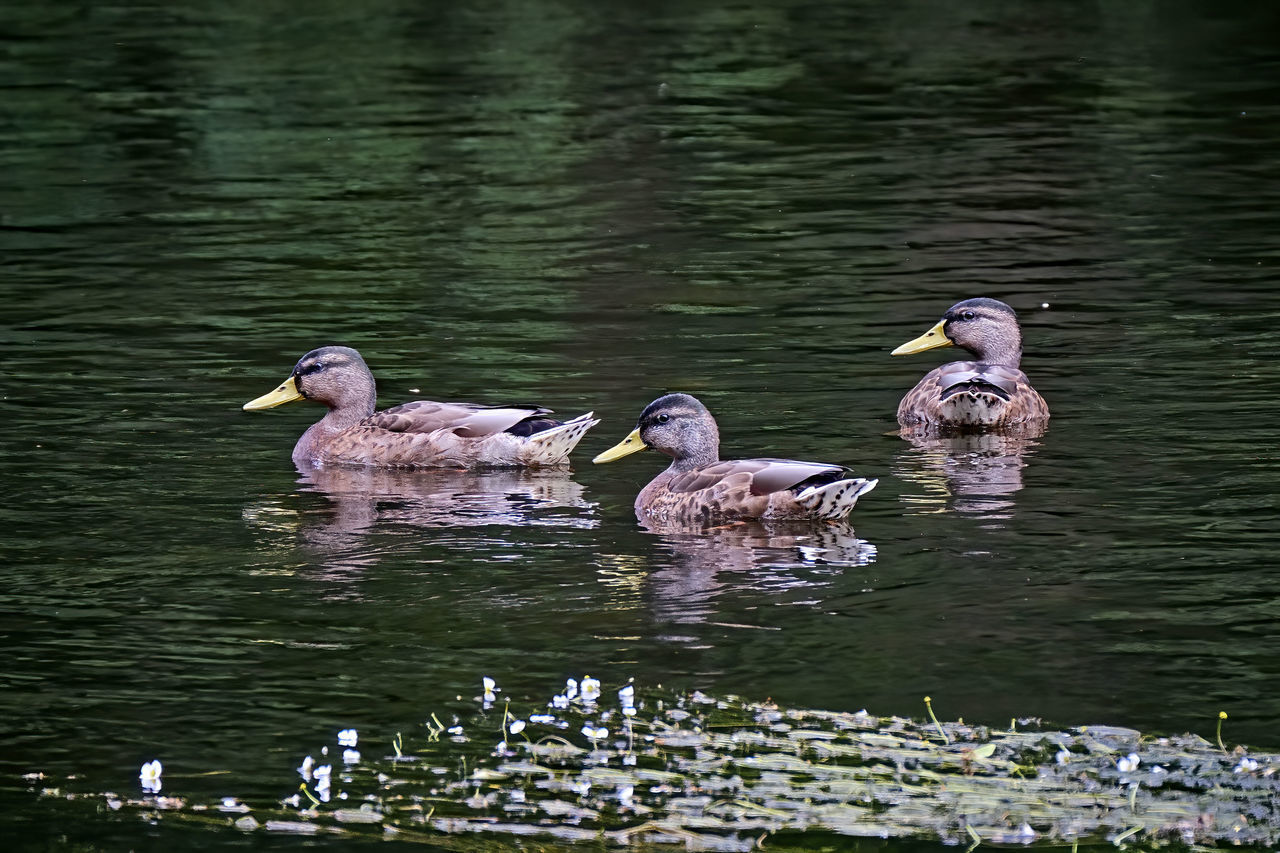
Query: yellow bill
point(931, 339)
point(630, 444)
point(286, 393)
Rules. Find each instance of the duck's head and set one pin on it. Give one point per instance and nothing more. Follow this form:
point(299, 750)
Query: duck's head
point(675, 424)
point(334, 376)
point(988, 328)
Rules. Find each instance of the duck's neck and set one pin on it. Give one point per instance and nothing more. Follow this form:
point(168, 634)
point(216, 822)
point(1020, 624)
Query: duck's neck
point(699, 455)
point(1006, 352)
point(355, 405)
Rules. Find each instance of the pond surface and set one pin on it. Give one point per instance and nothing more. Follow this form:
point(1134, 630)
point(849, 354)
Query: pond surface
point(585, 205)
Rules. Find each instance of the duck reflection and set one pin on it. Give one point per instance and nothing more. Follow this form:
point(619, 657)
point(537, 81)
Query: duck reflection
point(525, 497)
point(976, 473)
point(358, 499)
point(747, 555)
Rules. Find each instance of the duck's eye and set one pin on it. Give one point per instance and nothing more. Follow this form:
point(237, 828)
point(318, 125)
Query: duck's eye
point(662, 419)
point(968, 315)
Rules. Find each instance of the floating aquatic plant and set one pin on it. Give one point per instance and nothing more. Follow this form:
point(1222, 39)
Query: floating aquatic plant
point(720, 773)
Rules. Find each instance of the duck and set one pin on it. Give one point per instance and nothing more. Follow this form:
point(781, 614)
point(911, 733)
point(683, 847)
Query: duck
point(421, 434)
point(989, 392)
point(700, 487)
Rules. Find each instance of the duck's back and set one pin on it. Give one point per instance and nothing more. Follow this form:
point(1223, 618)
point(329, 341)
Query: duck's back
point(426, 433)
point(972, 394)
point(751, 489)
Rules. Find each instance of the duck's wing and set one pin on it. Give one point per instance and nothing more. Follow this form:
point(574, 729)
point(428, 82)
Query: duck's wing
point(466, 420)
point(758, 476)
point(763, 488)
point(960, 376)
point(972, 394)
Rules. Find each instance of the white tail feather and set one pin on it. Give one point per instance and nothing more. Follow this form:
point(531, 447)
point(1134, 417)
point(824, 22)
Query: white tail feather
point(834, 500)
point(552, 446)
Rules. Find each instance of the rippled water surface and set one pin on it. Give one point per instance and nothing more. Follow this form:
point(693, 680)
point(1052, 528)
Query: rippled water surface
point(586, 205)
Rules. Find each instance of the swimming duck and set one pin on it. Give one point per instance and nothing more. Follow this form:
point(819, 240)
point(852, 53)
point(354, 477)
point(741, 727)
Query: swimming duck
point(413, 435)
point(989, 392)
point(699, 486)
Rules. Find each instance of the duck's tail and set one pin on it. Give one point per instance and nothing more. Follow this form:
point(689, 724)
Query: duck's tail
point(552, 446)
point(833, 501)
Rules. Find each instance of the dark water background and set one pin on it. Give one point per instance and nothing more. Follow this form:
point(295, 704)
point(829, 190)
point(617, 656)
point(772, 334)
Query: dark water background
point(585, 205)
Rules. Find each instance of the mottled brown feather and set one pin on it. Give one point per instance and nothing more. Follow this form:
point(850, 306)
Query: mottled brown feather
point(466, 419)
point(430, 434)
point(699, 487)
point(925, 403)
point(424, 433)
point(988, 392)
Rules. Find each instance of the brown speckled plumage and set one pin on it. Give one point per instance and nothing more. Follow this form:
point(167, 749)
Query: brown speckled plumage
point(700, 487)
point(414, 435)
point(990, 392)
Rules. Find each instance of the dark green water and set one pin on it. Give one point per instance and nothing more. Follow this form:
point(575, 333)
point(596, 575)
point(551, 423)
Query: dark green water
point(585, 205)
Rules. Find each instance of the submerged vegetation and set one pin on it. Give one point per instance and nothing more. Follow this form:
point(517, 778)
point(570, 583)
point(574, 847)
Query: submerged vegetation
point(723, 773)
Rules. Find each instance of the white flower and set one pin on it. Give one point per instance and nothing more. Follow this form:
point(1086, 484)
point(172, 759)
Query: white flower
point(350, 756)
point(581, 788)
point(1129, 763)
point(516, 727)
point(305, 770)
point(590, 689)
point(489, 684)
point(542, 718)
point(454, 730)
point(624, 794)
point(1246, 765)
point(348, 737)
point(149, 776)
point(595, 733)
point(322, 776)
point(627, 696)
point(570, 688)
point(1063, 755)
point(629, 711)
point(561, 701)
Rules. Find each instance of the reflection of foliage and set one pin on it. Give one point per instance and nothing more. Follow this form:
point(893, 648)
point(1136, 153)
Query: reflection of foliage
point(722, 773)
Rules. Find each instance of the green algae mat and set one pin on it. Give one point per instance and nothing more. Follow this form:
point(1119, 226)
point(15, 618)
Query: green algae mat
point(654, 768)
